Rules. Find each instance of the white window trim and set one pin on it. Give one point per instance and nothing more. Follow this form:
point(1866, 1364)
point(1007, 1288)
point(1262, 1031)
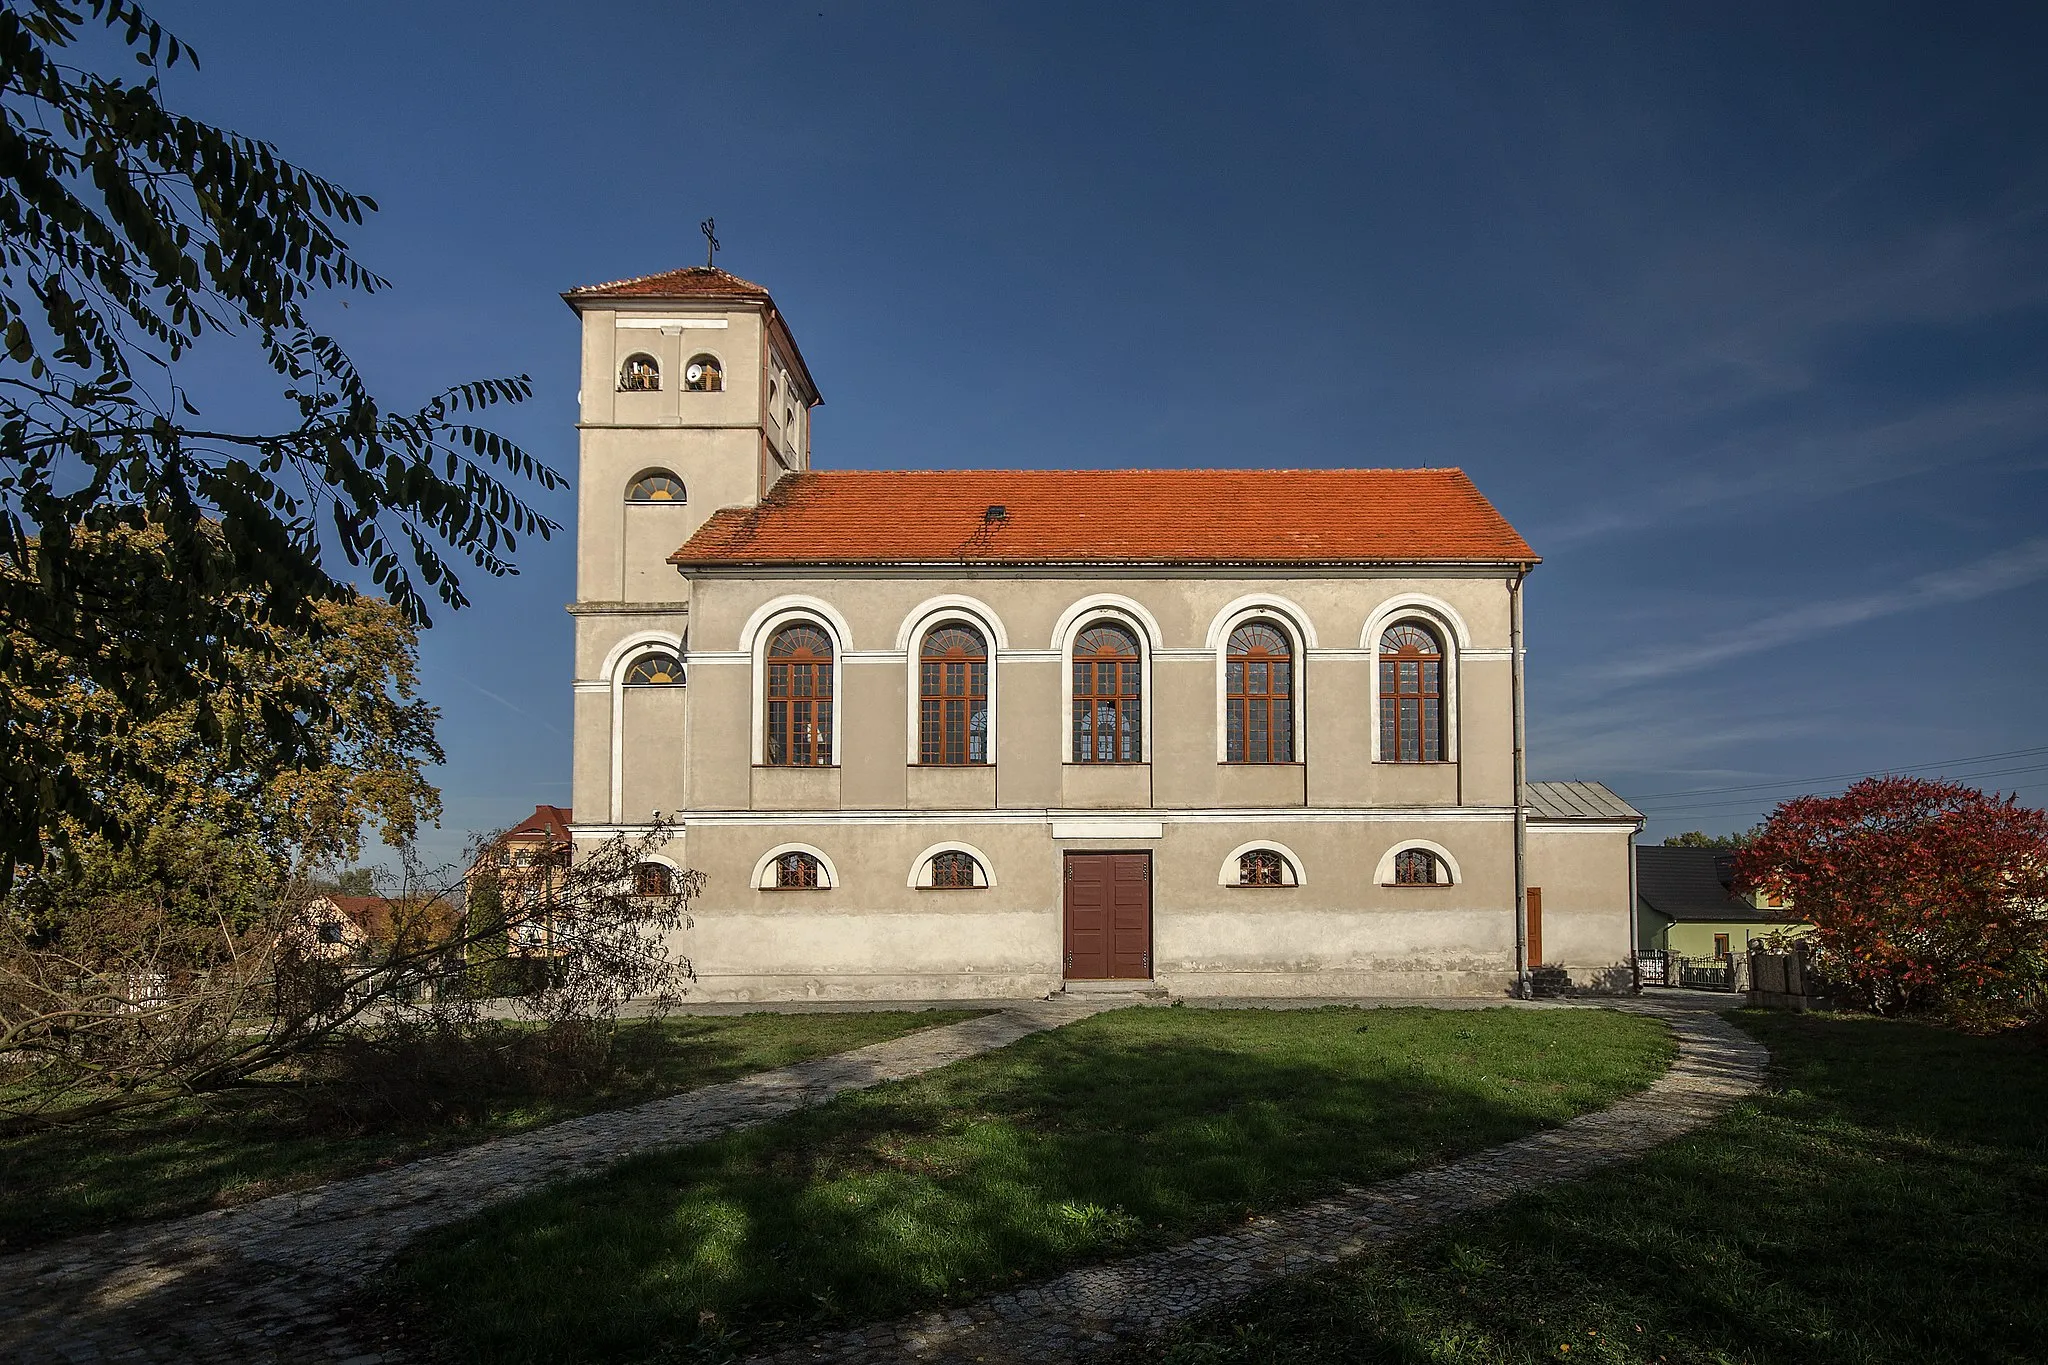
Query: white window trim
point(1384, 873)
point(754, 638)
point(923, 619)
point(1299, 637)
point(1449, 629)
point(1228, 874)
point(616, 665)
point(921, 868)
point(1127, 613)
point(764, 870)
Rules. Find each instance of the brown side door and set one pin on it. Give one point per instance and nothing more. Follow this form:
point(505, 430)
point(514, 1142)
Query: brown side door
point(1535, 926)
point(1108, 913)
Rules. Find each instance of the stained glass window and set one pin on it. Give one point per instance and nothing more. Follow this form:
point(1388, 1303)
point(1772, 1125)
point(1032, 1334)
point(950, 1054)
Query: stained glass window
point(1108, 702)
point(800, 698)
point(640, 374)
point(798, 870)
point(953, 870)
point(952, 724)
point(1261, 867)
point(1411, 696)
point(703, 375)
point(1259, 695)
point(1419, 867)
point(655, 670)
point(656, 485)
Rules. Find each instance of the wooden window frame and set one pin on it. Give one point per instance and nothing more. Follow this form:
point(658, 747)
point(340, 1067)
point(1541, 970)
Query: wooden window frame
point(798, 700)
point(1259, 696)
point(953, 694)
point(1124, 697)
point(1397, 722)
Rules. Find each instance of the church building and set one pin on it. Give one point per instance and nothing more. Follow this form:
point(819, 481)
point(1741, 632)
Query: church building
point(998, 733)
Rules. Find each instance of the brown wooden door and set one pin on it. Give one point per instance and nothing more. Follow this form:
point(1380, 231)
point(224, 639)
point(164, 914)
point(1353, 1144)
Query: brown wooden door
point(1108, 912)
point(1535, 926)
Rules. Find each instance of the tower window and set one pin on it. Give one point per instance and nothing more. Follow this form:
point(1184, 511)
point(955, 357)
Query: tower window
point(655, 670)
point(656, 485)
point(704, 375)
point(640, 374)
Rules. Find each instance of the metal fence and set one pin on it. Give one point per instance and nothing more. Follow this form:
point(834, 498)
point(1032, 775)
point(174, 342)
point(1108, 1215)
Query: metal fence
point(1722, 973)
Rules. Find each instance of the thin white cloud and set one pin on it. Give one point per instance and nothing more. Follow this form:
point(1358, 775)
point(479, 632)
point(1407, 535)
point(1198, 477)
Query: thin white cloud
point(2010, 568)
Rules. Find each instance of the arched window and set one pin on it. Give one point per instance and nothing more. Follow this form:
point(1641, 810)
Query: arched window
point(655, 670)
point(703, 375)
point(654, 879)
point(640, 374)
point(952, 709)
point(1419, 867)
point(800, 698)
point(655, 485)
point(1108, 706)
point(953, 870)
point(1261, 867)
point(797, 870)
point(1259, 695)
point(1411, 696)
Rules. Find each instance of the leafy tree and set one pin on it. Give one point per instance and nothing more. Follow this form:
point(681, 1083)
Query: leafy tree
point(129, 235)
point(353, 881)
point(1701, 839)
point(1921, 893)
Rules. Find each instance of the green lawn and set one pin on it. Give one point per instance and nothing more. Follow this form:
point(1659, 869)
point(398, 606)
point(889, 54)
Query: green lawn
point(1886, 1201)
point(228, 1149)
point(1133, 1129)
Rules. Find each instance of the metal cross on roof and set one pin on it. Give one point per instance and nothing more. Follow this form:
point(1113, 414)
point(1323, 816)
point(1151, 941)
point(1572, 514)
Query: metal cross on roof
point(708, 227)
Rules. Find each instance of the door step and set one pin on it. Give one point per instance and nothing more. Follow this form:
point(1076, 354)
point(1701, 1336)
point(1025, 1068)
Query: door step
point(1133, 990)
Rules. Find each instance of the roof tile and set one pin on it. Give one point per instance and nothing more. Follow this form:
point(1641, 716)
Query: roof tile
point(1112, 516)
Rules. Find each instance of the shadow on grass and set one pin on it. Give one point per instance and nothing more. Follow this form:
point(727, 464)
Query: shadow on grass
point(1129, 1131)
point(231, 1148)
point(1885, 1201)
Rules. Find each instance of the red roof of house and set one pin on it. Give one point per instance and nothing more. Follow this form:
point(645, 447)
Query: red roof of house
point(691, 282)
point(552, 821)
point(1112, 516)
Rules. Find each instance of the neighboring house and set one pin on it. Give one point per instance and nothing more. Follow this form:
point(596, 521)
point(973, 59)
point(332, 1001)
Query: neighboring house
point(340, 926)
point(527, 861)
point(982, 733)
point(1687, 903)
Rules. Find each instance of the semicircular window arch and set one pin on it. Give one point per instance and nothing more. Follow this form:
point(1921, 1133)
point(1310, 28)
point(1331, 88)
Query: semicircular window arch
point(657, 669)
point(656, 485)
point(703, 374)
point(639, 373)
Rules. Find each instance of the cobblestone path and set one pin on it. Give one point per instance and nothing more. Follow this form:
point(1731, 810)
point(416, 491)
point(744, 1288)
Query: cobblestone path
point(267, 1282)
point(1089, 1309)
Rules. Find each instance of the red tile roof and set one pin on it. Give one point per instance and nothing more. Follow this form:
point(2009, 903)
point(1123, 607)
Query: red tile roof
point(552, 821)
point(1113, 516)
point(691, 282)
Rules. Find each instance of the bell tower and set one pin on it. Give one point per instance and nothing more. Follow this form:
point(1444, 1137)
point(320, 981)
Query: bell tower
point(694, 397)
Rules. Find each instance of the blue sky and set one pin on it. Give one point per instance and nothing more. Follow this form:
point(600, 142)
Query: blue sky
point(1739, 312)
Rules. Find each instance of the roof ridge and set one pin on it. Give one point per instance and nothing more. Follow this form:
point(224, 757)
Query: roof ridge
point(659, 274)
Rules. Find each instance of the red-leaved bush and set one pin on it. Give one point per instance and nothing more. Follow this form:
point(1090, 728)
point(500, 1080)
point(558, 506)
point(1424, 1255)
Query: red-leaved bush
point(1922, 894)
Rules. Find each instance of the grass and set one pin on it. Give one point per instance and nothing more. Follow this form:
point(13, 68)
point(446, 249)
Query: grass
point(1129, 1130)
point(198, 1154)
point(1886, 1201)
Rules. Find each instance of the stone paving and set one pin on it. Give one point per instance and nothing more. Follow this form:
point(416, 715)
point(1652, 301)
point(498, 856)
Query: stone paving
point(1088, 1310)
point(268, 1282)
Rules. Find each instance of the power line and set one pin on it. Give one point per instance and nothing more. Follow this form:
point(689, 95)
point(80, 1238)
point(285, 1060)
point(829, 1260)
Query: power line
point(1845, 777)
